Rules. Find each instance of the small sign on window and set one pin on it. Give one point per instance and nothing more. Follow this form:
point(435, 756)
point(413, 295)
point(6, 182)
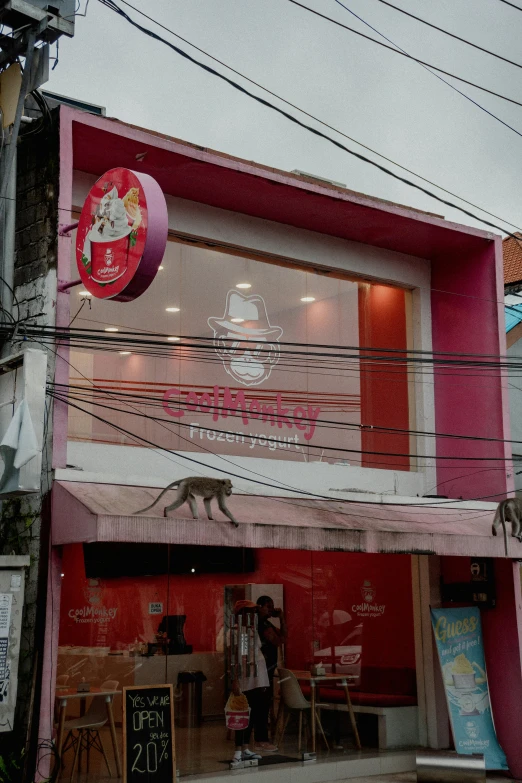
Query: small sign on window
point(156, 608)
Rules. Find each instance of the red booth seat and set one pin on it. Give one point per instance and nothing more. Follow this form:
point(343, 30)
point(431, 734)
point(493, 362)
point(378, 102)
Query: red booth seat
point(379, 687)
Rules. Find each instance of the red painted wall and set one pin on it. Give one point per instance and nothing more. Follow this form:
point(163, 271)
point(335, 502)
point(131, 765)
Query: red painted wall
point(503, 650)
point(315, 585)
point(468, 401)
point(384, 386)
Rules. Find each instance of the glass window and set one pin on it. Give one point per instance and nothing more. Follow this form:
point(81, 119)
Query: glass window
point(248, 357)
point(134, 614)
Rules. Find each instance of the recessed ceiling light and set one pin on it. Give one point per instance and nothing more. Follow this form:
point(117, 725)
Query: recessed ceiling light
point(192, 570)
point(124, 353)
point(172, 309)
point(85, 293)
point(243, 285)
point(237, 320)
point(308, 299)
point(111, 329)
point(173, 339)
point(160, 268)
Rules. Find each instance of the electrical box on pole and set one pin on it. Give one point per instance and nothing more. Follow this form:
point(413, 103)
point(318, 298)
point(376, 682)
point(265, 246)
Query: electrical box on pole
point(59, 14)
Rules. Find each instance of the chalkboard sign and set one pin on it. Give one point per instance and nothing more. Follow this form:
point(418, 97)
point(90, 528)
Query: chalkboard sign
point(149, 754)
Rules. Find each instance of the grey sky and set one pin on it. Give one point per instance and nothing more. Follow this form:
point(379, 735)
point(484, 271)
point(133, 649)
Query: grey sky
point(377, 97)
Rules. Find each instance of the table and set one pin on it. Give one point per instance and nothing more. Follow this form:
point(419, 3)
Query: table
point(314, 681)
point(63, 695)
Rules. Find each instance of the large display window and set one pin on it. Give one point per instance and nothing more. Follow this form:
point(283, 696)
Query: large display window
point(150, 614)
point(255, 359)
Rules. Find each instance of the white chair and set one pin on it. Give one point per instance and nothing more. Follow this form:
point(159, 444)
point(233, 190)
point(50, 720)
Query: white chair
point(61, 680)
point(293, 700)
point(88, 728)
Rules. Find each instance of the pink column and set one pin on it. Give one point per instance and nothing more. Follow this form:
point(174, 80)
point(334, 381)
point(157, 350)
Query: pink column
point(503, 647)
point(50, 658)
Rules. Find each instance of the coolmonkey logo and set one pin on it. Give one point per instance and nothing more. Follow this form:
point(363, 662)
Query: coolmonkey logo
point(368, 608)
point(246, 342)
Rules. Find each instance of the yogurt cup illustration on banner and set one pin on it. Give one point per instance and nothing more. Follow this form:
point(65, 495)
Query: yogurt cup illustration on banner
point(122, 235)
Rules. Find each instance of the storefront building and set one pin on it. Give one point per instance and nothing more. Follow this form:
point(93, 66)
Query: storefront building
point(281, 345)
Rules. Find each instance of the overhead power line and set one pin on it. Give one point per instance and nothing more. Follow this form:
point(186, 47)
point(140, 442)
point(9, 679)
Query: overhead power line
point(269, 482)
point(398, 50)
point(113, 7)
point(317, 119)
point(451, 35)
point(511, 4)
point(85, 394)
point(432, 70)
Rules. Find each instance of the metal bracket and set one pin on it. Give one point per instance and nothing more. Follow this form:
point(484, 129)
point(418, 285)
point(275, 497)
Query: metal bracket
point(64, 229)
point(63, 286)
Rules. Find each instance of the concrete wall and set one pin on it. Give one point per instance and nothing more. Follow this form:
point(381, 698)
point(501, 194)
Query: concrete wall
point(25, 521)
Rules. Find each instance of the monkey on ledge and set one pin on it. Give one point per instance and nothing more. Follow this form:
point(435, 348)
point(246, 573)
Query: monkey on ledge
point(206, 488)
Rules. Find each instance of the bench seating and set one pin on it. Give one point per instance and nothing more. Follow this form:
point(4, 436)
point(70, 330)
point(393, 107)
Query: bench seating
point(389, 693)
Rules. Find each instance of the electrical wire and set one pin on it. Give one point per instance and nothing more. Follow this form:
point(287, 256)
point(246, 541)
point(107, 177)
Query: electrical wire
point(65, 401)
point(511, 4)
point(315, 447)
point(151, 444)
point(451, 35)
point(313, 117)
point(363, 353)
point(154, 402)
point(113, 7)
point(432, 71)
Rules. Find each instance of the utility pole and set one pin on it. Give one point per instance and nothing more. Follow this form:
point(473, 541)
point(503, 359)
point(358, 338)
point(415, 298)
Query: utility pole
point(29, 29)
point(35, 25)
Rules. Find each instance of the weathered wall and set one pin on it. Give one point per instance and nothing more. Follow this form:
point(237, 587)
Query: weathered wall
point(25, 521)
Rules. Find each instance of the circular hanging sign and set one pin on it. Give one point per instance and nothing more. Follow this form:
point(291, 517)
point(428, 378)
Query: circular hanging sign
point(122, 235)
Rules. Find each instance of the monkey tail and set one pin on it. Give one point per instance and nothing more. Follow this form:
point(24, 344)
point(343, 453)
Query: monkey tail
point(170, 486)
point(496, 522)
point(502, 514)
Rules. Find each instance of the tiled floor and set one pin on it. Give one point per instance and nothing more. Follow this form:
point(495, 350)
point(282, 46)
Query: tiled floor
point(203, 753)
point(206, 751)
point(411, 777)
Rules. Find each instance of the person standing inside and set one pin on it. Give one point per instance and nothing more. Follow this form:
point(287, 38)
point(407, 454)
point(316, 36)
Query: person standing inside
point(256, 688)
point(272, 638)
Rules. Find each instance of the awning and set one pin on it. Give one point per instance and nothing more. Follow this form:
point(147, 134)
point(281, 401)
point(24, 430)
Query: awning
point(104, 512)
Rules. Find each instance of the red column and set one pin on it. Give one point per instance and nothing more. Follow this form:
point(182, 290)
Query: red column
point(384, 385)
point(502, 628)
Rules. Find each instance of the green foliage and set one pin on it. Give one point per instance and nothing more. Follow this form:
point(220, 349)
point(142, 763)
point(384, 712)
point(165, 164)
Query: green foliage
point(11, 767)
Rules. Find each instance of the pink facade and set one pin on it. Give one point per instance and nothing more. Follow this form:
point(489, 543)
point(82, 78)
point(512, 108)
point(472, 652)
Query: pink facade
point(466, 319)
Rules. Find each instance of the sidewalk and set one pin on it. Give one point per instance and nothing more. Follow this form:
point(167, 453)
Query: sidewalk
point(411, 777)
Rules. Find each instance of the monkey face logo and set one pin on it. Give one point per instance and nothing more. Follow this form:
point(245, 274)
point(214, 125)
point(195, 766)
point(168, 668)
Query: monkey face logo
point(368, 591)
point(246, 342)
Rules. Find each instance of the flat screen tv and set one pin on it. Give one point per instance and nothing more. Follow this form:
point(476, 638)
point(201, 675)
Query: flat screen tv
point(111, 560)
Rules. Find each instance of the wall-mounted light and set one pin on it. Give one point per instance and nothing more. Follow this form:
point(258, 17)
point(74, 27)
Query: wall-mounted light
point(308, 299)
point(173, 339)
point(172, 309)
point(111, 329)
point(124, 353)
point(243, 285)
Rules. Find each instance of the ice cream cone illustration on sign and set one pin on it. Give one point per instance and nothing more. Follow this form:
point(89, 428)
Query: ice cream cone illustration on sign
point(247, 343)
point(122, 235)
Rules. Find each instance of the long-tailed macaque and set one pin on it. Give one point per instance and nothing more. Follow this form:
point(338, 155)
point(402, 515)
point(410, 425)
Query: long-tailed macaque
point(206, 488)
point(509, 510)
